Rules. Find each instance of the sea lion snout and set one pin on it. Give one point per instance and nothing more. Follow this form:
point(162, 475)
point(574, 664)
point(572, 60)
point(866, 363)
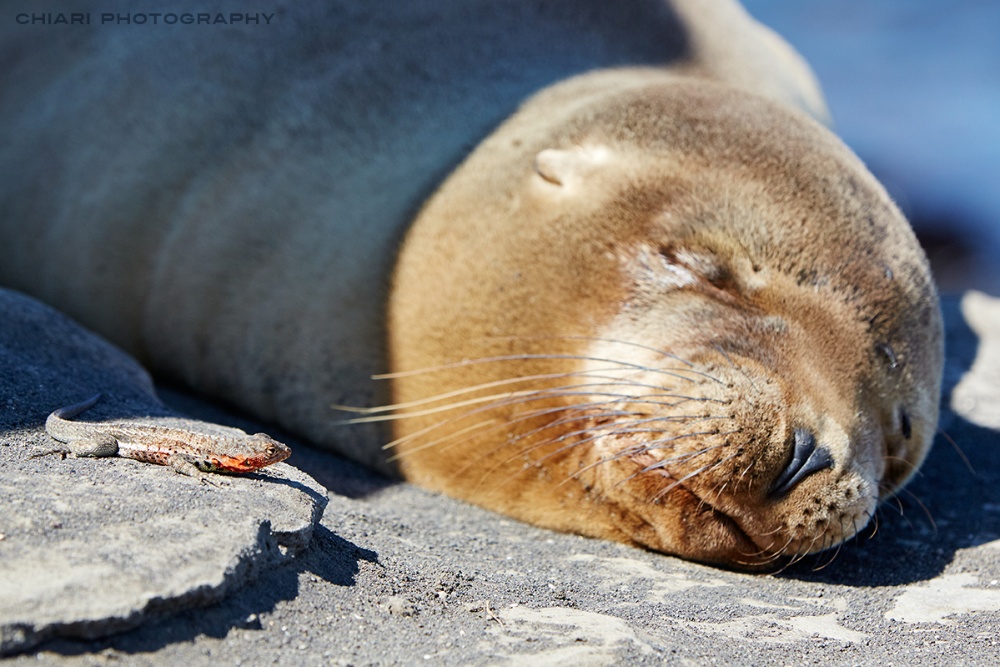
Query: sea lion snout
point(807, 458)
point(757, 411)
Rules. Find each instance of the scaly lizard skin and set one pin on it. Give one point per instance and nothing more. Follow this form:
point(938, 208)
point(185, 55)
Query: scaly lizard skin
point(187, 451)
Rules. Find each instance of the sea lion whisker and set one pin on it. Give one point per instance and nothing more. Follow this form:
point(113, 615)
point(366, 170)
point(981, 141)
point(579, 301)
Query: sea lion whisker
point(899, 504)
point(613, 397)
point(451, 365)
point(495, 423)
point(769, 554)
point(546, 392)
point(629, 430)
point(833, 557)
point(626, 452)
point(601, 433)
point(913, 468)
point(508, 399)
point(526, 396)
point(585, 413)
point(746, 470)
point(619, 431)
point(774, 531)
point(718, 495)
point(682, 398)
point(923, 507)
point(741, 370)
point(901, 510)
point(958, 450)
point(793, 559)
point(856, 530)
point(479, 400)
point(800, 554)
point(655, 444)
point(577, 443)
point(416, 435)
point(762, 556)
point(809, 549)
point(908, 520)
point(541, 460)
point(647, 398)
point(643, 447)
point(712, 466)
point(519, 453)
point(437, 441)
point(574, 390)
point(873, 520)
point(680, 458)
point(682, 419)
point(690, 475)
point(498, 401)
point(661, 464)
point(533, 357)
point(591, 374)
point(782, 552)
point(600, 339)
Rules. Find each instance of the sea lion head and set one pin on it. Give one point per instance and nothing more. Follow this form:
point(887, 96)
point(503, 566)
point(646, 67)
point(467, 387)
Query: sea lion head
point(687, 318)
point(774, 415)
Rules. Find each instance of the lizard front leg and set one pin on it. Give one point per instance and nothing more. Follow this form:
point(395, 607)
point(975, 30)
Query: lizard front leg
point(187, 464)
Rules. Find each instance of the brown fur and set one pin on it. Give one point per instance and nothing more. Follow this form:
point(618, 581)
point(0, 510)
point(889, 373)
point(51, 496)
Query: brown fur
point(678, 262)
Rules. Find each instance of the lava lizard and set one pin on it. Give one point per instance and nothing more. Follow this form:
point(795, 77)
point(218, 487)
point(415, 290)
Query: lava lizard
point(188, 452)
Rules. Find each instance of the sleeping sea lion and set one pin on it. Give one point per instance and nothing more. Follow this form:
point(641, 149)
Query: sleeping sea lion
point(616, 275)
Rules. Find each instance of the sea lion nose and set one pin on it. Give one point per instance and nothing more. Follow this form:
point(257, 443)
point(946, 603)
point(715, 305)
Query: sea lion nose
point(807, 458)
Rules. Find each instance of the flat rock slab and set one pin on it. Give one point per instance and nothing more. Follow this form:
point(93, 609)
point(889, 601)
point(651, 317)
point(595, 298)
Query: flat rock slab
point(89, 547)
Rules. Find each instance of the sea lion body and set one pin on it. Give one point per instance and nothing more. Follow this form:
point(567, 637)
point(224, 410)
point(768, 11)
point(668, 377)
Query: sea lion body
point(244, 210)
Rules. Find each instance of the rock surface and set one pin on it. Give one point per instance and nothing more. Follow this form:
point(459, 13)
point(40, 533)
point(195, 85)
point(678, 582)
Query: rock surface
point(396, 575)
point(89, 547)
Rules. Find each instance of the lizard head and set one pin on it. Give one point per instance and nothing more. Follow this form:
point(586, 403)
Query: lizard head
point(256, 451)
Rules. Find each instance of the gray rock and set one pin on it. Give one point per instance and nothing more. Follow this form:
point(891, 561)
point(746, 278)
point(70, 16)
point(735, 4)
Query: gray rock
point(89, 547)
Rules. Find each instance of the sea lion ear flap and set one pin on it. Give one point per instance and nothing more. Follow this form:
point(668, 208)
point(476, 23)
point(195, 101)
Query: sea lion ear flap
point(552, 165)
point(565, 167)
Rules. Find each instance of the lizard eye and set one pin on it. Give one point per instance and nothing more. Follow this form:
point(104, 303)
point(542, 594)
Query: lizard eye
point(271, 451)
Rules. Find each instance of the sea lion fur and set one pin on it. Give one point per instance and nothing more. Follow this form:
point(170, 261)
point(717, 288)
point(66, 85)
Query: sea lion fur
point(723, 279)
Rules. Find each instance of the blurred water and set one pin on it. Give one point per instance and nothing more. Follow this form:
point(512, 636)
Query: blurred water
point(914, 88)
